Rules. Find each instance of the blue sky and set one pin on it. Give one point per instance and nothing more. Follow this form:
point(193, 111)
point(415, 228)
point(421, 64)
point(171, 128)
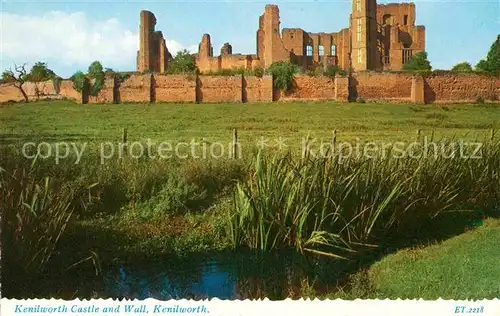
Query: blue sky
point(68, 35)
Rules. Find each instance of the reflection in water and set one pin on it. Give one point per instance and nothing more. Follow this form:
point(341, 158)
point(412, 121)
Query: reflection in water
point(239, 275)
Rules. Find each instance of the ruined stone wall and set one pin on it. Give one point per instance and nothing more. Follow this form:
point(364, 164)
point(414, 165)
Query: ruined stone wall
point(455, 88)
point(175, 88)
point(106, 94)
point(137, 88)
point(380, 86)
point(257, 89)
point(310, 88)
point(67, 91)
point(371, 86)
point(394, 13)
point(218, 89)
point(10, 93)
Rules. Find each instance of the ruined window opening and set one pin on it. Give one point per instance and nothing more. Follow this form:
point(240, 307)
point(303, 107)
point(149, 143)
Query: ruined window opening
point(358, 5)
point(309, 50)
point(387, 18)
point(333, 50)
point(358, 30)
point(360, 56)
point(407, 53)
point(321, 50)
point(405, 20)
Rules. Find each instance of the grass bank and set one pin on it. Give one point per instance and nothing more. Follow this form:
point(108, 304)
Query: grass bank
point(73, 217)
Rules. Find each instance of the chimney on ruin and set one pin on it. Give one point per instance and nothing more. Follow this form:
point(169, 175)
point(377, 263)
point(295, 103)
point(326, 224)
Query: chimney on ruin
point(226, 49)
point(205, 48)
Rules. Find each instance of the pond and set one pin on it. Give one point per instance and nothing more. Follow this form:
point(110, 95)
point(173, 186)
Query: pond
point(225, 275)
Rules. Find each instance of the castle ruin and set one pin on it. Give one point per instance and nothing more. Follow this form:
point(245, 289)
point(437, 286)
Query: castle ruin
point(153, 53)
point(379, 37)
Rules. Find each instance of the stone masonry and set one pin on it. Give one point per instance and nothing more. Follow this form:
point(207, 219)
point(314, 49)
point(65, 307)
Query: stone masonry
point(379, 37)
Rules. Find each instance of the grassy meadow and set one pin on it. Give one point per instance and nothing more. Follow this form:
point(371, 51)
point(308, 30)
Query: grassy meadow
point(399, 215)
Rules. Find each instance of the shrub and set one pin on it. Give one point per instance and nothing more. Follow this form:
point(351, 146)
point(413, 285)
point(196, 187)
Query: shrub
point(283, 73)
point(462, 67)
point(418, 61)
point(175, 196)
point(331, 71)
point(259, 72)
point(360, 100)
point(182, 63)
point(479, 100)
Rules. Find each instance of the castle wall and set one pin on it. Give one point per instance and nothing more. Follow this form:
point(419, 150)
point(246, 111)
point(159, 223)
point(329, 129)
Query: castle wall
point(382, 86)
point(107, 92)
point(310, 88)
point(215, 89)
point(257, 89)
point(457, 88)
point(10, 93)
point(67, 91)
point(136, 88)
point(175, 88)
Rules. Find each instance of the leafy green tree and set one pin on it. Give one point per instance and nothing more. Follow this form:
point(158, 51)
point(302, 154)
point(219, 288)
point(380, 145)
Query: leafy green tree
point(39, 74)
point(283, 73)
point(462, 67)
point(78, 80)
point(17, 78)
point(183, 62)
point(96, 75)
point(417, 62)
point(492, 61)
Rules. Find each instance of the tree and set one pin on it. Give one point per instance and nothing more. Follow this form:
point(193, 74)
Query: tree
point(283, 73)
point(418, 61)
point(183, 62)
point(78, 80)
point(17, 78)
point(462, 67)
point(492, 61)
point(96, 74)
point(40, 73)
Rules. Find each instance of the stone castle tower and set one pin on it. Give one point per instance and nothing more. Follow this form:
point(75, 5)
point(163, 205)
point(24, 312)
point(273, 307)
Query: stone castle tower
point(153, 54)
point(379, 37)
point(363, 26)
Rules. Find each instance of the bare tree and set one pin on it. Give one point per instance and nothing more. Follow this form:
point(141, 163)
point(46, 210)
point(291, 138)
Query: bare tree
point(17, 78)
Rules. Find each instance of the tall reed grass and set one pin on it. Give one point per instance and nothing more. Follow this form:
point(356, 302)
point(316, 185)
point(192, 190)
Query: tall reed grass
point(35, 213)
point(331, 206)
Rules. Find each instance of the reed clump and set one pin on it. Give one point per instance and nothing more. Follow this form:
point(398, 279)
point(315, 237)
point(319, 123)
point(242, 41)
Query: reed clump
point(330, 206)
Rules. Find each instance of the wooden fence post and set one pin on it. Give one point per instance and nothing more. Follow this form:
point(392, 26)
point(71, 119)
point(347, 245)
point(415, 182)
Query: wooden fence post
point(124, 136)
point(235, 144)
point(334, 140)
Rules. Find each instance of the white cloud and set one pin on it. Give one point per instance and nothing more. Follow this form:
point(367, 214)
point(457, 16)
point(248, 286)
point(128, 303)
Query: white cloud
point(70, 40)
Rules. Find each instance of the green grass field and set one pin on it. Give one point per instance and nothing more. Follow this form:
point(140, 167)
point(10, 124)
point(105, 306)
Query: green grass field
point(464, 267)
point(135, 208)
point(66, 121)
